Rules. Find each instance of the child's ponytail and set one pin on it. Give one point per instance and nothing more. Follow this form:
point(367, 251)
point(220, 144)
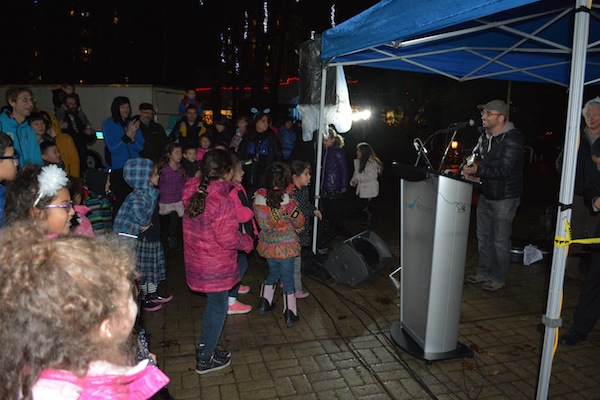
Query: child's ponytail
point(198, 199)
point(216, 164)
point(277, 177)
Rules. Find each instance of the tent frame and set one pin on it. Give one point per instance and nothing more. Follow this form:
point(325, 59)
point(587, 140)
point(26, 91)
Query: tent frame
point(579, 50)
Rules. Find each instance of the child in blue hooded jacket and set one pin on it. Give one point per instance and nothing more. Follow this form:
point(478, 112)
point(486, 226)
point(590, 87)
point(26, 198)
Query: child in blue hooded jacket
point(138, 219)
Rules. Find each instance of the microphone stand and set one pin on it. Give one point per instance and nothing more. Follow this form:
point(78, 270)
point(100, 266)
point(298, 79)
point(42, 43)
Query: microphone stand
point(446, 151)
point(422, 153)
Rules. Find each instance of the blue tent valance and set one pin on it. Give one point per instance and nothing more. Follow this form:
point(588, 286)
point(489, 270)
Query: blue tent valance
point(520, 40)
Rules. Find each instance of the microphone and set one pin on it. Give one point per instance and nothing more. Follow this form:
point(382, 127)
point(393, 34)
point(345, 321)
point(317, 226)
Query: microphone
point(456, 127)
point(418, 145)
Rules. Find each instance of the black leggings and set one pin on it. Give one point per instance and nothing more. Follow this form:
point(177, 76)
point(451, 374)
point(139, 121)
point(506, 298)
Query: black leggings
point(174, 221)
point(120, 189)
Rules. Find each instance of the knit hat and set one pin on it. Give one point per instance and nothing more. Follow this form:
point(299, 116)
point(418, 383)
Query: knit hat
point(146, 106)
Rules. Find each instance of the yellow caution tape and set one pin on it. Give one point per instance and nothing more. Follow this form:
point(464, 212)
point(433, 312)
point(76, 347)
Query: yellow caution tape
point(565, 242)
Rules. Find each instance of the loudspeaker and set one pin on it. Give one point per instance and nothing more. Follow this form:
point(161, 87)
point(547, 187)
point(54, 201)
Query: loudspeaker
point(315, 267)
point(358, 258)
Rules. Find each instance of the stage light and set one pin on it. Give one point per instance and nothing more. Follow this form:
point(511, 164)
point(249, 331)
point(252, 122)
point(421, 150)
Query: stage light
point(361, 115)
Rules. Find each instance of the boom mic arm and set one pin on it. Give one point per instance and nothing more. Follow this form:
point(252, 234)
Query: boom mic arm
point(457, 126)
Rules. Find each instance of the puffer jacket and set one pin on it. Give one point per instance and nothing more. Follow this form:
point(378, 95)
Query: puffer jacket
point(335, 170)
point(367, 185)
point(501, 169)
point(211, 240)
point(278, 237)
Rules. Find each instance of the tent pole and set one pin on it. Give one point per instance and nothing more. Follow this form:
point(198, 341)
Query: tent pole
point(509, 97)
point(322, 129)
point(551, 319)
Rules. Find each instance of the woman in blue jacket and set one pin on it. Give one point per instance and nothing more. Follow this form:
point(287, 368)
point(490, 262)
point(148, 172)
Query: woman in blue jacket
point(124, 140)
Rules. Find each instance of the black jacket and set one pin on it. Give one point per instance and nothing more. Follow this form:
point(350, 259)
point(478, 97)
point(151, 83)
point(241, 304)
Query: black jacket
point(501, 168)
point(193, 133)
point(257, 152)
point(155, 141)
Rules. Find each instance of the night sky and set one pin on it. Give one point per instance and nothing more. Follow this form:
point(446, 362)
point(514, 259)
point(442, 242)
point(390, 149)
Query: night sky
point(176, 42)
point(201, 43)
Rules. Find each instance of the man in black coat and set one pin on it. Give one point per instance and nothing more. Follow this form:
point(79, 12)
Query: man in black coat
point(588, 307)
point(155, 138)
point(501, 175)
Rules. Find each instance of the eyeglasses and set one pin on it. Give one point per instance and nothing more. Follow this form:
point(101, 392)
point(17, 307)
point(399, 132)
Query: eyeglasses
point(26, 99)
point(15, 158)
point(488, 113)
point(68, 207)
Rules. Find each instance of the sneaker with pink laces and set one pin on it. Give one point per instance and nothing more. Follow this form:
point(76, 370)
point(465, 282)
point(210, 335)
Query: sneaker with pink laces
point(238, 308)
point(243, 289)
point(302, 294)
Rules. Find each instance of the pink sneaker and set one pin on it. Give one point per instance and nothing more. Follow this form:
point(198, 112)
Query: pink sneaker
point(238, 308)
point(302, 294)
point(243, 289)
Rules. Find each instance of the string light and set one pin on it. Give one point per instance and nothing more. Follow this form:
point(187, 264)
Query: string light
point(333, 15)
point(245, 25)
point(221, 36)
point(266, 19)
point(236, 64)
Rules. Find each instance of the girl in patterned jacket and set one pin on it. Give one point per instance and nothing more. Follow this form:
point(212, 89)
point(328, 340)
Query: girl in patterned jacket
point(279, 219)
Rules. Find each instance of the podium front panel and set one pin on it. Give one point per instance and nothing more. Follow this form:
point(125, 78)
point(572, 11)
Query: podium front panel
point(417, 217)
point(435, 215)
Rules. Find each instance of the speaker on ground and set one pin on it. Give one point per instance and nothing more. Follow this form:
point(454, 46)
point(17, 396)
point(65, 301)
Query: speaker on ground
point(358, 258)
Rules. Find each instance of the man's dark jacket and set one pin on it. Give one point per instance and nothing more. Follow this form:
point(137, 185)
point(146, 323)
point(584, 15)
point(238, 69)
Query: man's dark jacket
point(501, 168)
point(156, 141)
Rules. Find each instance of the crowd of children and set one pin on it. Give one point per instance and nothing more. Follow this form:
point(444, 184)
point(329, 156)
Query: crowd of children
point(200, 194)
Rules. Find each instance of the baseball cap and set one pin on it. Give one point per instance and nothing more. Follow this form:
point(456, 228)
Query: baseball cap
point(495, 105)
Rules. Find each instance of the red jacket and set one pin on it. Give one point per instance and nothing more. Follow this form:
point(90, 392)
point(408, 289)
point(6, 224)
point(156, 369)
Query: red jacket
point(211, 240)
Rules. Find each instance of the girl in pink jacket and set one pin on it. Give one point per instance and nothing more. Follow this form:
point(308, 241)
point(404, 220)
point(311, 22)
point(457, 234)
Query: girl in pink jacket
point(245, 215)
point(211, 240)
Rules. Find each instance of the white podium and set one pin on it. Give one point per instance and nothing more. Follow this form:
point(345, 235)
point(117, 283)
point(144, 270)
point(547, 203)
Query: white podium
point(435, 212)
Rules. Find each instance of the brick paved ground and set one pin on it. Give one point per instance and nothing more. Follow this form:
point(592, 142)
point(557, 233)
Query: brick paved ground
point(342, 348)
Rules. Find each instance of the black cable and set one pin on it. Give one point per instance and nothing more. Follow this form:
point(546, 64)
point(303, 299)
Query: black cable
point(390, 344)
point(388, 341)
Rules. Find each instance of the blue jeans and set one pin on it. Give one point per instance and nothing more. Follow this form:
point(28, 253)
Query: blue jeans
point(494, 228)
point(213, 320)
point(281, 269)
point(242, 262)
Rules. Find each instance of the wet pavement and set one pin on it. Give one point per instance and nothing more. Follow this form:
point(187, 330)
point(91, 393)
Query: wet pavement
point(342, 348)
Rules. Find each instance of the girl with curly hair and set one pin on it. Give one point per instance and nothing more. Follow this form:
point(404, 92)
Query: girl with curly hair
point(211, 240)
point(279, 219)
point(66, 317)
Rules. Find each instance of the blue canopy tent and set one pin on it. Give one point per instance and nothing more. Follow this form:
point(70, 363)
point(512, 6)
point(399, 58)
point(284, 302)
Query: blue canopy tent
point(550, 41)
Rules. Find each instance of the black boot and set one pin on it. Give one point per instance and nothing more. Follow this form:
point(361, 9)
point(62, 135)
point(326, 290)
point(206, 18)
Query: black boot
point(290, 315)
point(266, 304)
point(369, 218)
